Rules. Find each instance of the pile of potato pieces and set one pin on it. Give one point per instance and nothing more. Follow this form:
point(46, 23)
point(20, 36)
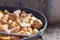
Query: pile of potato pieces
point(19, 22)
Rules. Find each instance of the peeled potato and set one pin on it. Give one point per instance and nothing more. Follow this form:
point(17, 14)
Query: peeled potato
point(4, 26)
point(5, 16)
point(35, 31)
point(18, 22)
point(24, 29)
point(3, 21)
point(1, 14)
point(15, 29)
point(21, 32)
point(17, 12)
point(9, 21)
point(6, 12)
point(34, 18)
point(25, 24)
point(4, 37)
point(4, 30)
point(26, 19)
point(15, 38)
point(31, 21)
point(14, 16)
point(23, 14)
point(30, 30)
point(12, 24)
point(28, 33)
point(37, 24)
point(0, 24)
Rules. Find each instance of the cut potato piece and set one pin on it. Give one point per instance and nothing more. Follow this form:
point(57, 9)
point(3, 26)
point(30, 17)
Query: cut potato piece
point(17, 12)
point(1, 14)
point(19, 22)
point(25, 24)
point(5, 37)
point(15, 30)
point(3, 21)
point(37, 24)
point(35, 31)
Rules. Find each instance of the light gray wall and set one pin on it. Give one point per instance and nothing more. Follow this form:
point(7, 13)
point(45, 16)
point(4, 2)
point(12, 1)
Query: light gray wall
point(55, 11)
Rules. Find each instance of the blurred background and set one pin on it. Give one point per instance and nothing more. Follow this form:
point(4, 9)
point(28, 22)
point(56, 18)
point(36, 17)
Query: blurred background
point(50, 8)
point(51, 5)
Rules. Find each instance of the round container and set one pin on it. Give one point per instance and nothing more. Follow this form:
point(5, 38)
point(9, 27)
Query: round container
point(37, 14)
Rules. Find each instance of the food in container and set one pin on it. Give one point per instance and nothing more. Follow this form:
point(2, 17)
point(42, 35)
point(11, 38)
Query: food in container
point(19, 22)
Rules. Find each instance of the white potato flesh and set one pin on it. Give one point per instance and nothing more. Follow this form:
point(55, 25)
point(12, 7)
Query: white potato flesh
point(1, 15)
point(25, 24)
point(17, 12)
point(34, 18)
point(35, 31)
point(28, 33)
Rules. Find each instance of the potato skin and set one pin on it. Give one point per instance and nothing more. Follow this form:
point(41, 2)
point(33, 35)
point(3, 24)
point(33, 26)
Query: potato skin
point(37, 24)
